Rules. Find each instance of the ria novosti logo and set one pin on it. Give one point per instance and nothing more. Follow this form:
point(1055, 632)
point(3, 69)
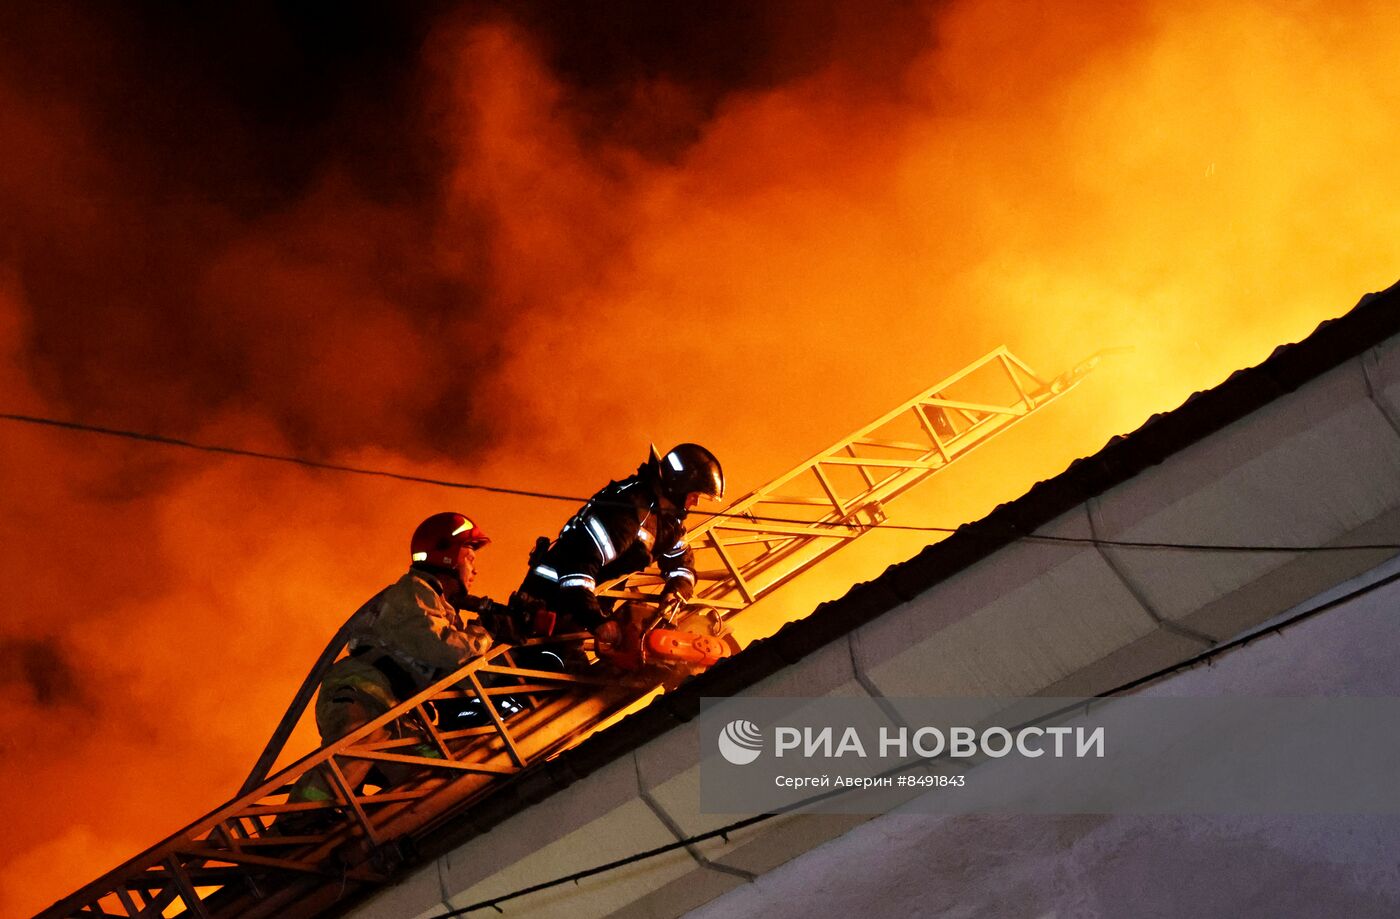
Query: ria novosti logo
point(740, 742)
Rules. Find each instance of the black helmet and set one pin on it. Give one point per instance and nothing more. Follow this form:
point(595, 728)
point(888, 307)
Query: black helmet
point(688, 468)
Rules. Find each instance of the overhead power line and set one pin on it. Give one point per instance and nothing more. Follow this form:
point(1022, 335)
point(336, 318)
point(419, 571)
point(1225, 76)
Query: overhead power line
point(162, 440)
point(724, 831)
point(274, 457)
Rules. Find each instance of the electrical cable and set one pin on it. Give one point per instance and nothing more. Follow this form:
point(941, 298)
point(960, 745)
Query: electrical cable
point(273, 457)
point(575, 499)
point(724, 831)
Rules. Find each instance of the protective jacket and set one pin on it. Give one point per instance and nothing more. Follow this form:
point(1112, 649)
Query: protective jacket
point(405, 638)
point(621, 529)
point(408, 637)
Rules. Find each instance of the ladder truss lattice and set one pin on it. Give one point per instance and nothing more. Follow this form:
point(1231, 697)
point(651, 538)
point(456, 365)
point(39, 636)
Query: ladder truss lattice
point(237, 861)
point(771, 535)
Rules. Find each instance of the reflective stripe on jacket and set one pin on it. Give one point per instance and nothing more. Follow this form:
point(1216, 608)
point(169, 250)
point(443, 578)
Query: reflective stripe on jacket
point(621, 530)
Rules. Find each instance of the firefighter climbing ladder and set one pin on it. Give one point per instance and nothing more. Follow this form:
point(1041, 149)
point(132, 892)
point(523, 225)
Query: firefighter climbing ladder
point(771, 535)
point(235, 861)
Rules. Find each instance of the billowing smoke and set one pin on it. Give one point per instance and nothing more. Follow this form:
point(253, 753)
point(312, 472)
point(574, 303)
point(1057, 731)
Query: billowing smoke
point(513, 247)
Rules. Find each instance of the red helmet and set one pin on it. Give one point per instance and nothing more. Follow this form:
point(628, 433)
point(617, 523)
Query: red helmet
point(440, 539)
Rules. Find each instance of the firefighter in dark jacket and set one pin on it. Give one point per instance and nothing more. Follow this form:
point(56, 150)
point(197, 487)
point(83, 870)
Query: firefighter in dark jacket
point(621, 530)
point(410, 635)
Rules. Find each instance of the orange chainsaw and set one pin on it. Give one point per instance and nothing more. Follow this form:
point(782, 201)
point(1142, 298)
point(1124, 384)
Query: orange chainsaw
point(644, 642)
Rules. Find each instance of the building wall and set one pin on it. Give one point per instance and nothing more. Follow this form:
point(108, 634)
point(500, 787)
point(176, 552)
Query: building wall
point(900, 865)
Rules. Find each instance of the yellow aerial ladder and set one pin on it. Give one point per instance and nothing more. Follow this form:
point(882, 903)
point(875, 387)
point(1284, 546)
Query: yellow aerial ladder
point(235, 862)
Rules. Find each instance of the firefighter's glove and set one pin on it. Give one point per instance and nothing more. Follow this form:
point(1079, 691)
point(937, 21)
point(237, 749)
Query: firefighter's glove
point(478, 639)
point(525, 617)
point(500, 621)
point(608, 634)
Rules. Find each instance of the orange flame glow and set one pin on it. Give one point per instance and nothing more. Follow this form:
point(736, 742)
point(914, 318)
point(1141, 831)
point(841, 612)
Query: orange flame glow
point(1199, 180)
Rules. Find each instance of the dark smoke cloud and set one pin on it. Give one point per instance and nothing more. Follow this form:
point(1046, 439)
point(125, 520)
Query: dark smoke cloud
point(651, 75)
point(236, 205)
point(39, 671)
point(224, 195)
point(245, 103)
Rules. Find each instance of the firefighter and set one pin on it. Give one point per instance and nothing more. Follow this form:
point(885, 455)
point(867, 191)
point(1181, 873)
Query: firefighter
point(623, 528)
point(412, 634)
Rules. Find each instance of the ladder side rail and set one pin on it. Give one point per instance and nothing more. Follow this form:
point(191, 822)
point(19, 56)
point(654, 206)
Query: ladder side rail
point(742, 503)
point(725, 520)
point(901, 478)
point(305, 897)
point(794, 539)
point(249, 804)
point(903, 475)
